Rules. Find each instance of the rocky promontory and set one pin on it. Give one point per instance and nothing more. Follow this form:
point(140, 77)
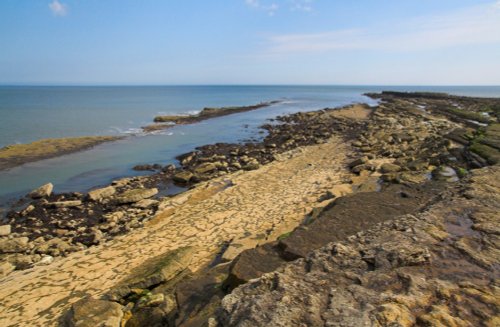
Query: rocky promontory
point(163, 122)
point(18, 154)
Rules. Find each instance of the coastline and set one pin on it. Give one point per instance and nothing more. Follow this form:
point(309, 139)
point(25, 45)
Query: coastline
point(19, 154)
point(283, 187)
point(200, 219)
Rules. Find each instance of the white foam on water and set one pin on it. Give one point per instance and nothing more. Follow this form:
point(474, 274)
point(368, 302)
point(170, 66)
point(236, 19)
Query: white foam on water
point(183, 114)
point(129, 131)
point(161, 132)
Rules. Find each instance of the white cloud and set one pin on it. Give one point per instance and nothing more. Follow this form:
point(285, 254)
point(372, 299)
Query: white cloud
point(269, 8)
point(58, 9)
point(252, 3)
point(272, 8)
point(301, 5)
point(473, 25)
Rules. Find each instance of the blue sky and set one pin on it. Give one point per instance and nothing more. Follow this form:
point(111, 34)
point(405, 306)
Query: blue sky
point(391, 42)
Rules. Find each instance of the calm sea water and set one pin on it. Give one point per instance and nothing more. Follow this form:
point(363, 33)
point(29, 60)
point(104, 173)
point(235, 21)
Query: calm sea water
point(31, 113)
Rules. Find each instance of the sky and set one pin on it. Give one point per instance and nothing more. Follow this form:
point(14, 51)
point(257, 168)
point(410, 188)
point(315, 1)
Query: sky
point(149, 42)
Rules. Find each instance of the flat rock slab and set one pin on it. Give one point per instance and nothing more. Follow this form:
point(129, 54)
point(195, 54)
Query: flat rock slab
point(351, 214)
point(136, 195)
point(64, 204)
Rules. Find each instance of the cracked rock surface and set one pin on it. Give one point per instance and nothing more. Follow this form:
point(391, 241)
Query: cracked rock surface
point(435, 268)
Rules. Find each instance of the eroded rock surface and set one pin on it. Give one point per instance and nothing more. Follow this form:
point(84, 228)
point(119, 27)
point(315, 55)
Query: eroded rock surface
point(435, 268)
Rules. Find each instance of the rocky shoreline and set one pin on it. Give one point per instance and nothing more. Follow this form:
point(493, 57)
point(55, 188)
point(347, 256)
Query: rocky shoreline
point(18, 154)
point(423, 269)
point(164, 122)
point(46, 225)
point(410, 161)
point(415, 182)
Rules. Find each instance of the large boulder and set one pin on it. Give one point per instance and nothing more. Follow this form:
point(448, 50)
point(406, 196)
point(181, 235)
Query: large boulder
point(101, 193)
point(42, 191)
point(183, 177)
point(251, 264)
point(92, 312)
point(389, 168)
point(5, 230)
point(151, 317)
point(205, 168)
point(153, 272)
point(136, 195)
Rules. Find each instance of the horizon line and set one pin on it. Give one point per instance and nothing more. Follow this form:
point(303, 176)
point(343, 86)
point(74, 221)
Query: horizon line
point(236, 85)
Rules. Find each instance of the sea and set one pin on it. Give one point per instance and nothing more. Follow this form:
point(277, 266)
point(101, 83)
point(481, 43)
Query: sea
point(29, 113)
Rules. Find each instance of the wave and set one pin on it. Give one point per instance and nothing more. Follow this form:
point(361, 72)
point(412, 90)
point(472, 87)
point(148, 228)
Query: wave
point(128, 131)
point(160, 132)
point(184, 113)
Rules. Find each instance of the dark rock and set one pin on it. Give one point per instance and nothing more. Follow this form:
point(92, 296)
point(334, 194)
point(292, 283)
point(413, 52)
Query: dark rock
point(252, 264)
point(168, 168)
point(348, 215)
point(389, 168)
point(358, 162)
point(150, 317)
point(147, 167)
